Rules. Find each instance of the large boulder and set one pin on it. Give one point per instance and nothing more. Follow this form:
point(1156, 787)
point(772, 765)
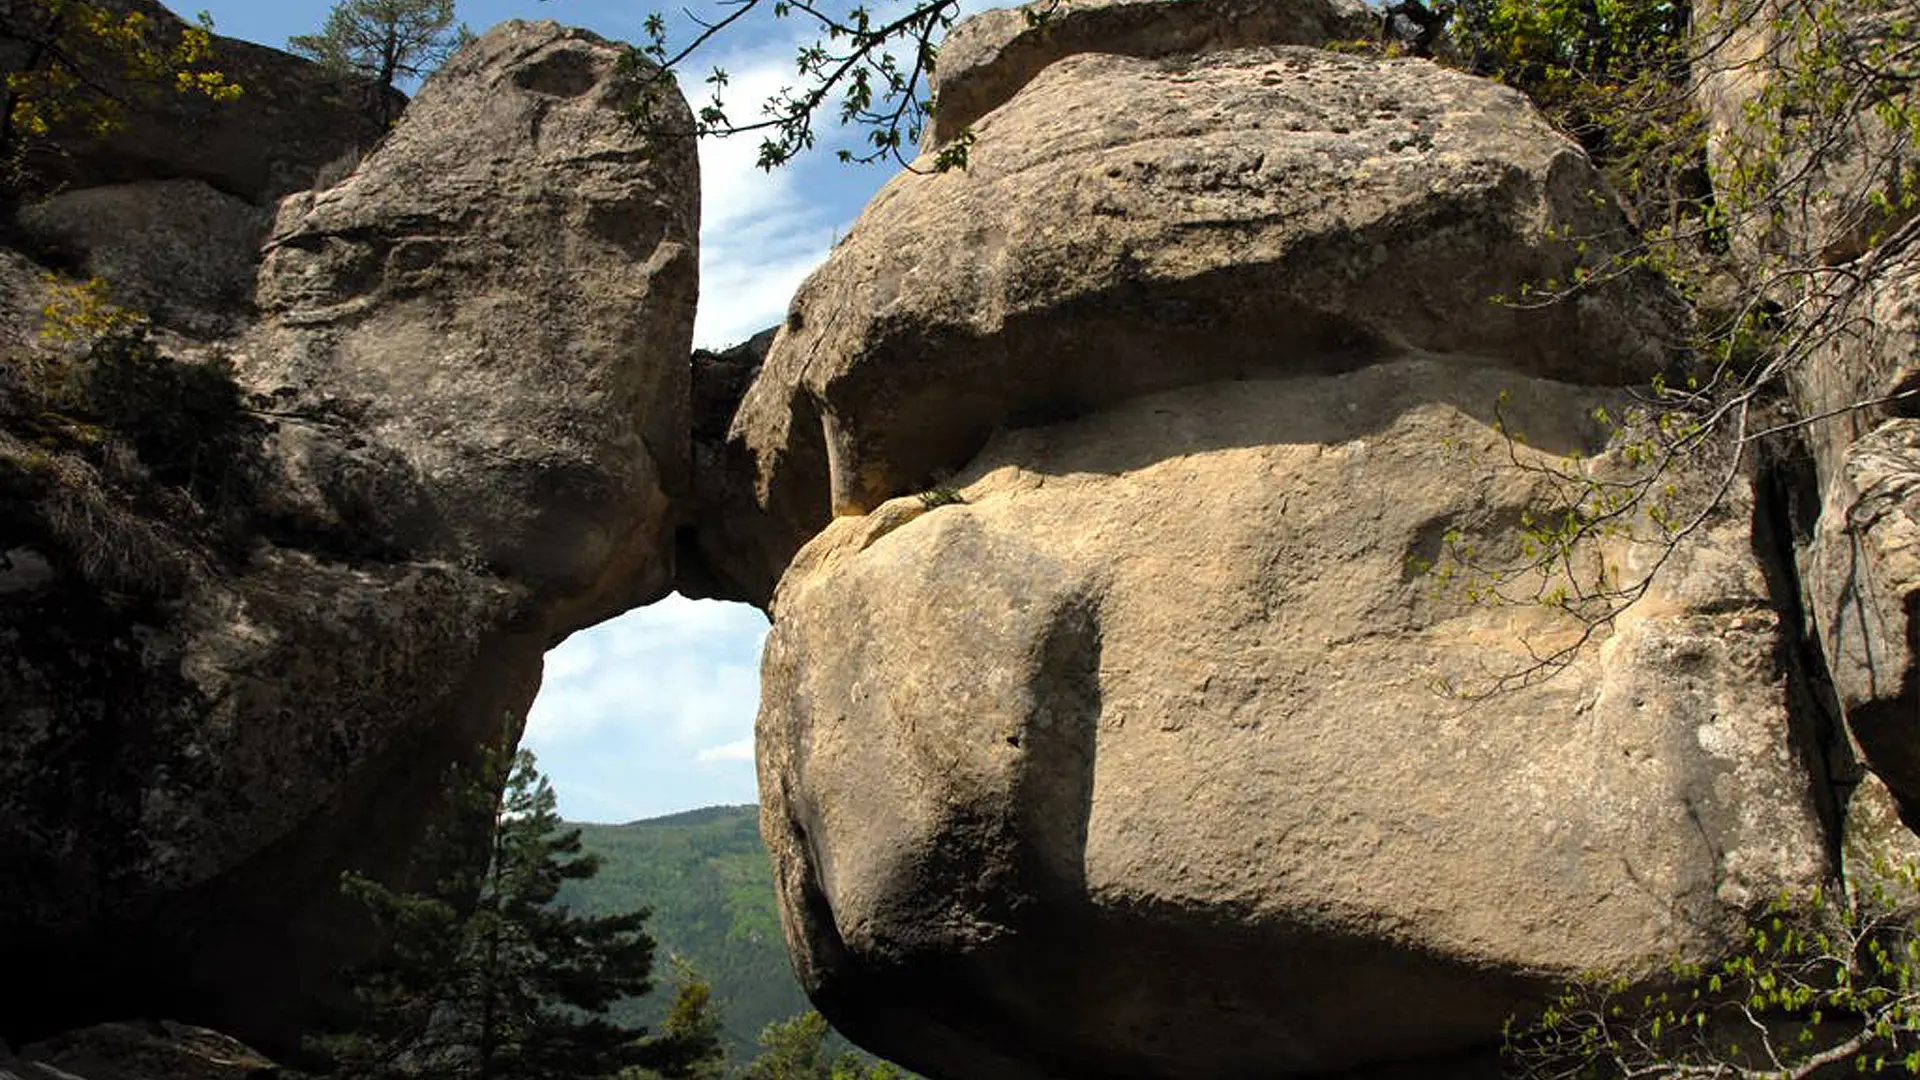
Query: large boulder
point(239, 658)
point(1136, 760)
point(1114, 721)
point(502, 299)
point(1249, 211)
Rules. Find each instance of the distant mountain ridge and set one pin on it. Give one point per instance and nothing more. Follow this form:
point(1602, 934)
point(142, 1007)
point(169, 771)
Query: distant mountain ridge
point(706, 878)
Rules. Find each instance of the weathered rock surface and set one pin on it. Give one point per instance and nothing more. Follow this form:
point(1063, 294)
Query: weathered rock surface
point(988, 58)
point(1133, 764)
point(292, 118)
point(501, 299)
point(179, 251)
point(1861, 572)
point(146, 1051)
point(1119, 749)
point(1250, 211)
point(229, 674)
point(1858, 566)
point(1122, 753)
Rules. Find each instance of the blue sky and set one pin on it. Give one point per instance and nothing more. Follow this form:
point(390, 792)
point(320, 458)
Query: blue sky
point(652, 712)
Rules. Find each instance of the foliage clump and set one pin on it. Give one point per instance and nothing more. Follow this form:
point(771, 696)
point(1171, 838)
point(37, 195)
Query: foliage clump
point(1765, 152)
point(88, 67)
point(1824, 986)
point(385, 41)
point(101, 385)
point(797, 1049)
point(119, 460)
point(485, 977)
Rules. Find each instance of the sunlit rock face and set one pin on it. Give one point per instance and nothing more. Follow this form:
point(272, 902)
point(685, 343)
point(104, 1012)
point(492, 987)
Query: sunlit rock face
point(993, 55)
point(1104, 728)
point(1255, 211)
point(1134, 763)
point(467, 430)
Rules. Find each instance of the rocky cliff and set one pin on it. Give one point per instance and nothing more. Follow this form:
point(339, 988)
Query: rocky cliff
point(1161, 684)
point(444, 433)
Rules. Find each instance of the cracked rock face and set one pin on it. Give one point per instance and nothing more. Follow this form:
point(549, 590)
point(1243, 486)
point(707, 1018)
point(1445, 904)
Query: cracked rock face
point(1858, 533)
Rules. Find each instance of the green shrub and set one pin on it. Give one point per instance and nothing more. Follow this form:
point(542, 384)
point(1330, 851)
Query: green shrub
point(1825, 985)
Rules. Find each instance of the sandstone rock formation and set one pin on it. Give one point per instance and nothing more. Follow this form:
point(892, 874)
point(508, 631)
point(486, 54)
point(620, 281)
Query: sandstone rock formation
point(1096, 493)
point(1253, 211)
point(1132, 764)
point(231, 671)
point(1100, 732)
point(1857, 561)
point(504, 309)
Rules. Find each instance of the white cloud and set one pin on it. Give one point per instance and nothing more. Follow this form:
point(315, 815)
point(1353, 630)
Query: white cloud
point(687, 667)
point(738, 750)
point(629, 708)
point(760, 234)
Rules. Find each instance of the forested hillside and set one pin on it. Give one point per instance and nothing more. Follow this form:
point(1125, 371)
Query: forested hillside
point(705, 876)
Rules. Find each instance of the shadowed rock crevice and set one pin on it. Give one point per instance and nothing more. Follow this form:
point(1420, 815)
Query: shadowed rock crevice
point(1786, 518)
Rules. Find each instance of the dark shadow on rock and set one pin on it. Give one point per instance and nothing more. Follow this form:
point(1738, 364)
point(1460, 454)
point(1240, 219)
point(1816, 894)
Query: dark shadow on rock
point(1322, 409)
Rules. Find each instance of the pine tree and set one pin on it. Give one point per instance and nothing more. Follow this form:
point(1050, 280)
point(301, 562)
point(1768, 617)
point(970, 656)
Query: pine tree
point(687, 1047)
point(796, 1049)
point(385, 42)
point(505, 986)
